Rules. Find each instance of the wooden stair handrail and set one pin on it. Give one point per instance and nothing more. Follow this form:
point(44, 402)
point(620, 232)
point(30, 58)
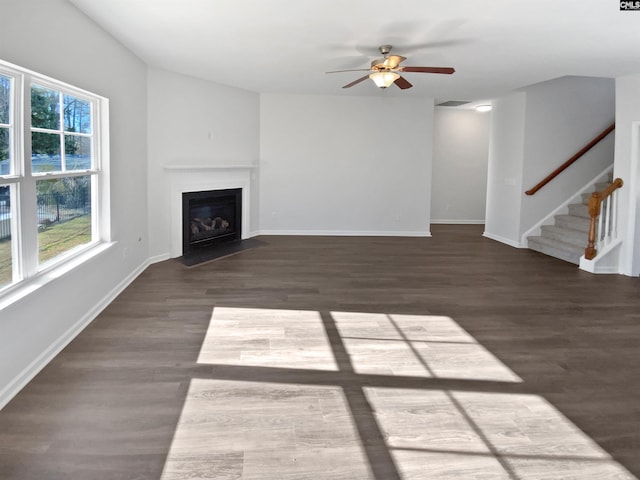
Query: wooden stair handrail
point(595, 201)
point(571, 161)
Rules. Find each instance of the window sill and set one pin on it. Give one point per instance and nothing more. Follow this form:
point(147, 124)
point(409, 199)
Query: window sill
point(27, 287)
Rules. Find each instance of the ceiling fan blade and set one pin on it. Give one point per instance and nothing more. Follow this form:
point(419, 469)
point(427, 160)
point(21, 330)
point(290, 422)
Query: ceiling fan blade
point(355, 82)
point(403, 83)
point(352, 70)
point(445, 70)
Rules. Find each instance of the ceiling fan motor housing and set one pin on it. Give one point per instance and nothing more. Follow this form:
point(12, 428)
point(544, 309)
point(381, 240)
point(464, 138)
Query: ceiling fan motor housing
point(379, 63)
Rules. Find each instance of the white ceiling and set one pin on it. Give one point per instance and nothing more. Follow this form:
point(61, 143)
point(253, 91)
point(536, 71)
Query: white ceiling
point(285, 46)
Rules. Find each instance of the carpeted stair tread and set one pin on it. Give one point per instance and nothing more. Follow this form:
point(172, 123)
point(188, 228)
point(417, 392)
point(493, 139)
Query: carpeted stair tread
point(554, 248)
point(566, 235)
point(573, 222)
point(579, 210)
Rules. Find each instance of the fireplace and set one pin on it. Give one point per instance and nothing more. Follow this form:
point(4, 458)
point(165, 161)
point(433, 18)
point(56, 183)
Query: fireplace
point(210, 219)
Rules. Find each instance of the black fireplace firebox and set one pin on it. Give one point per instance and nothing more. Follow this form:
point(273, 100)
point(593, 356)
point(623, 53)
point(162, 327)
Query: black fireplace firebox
point(210, 219)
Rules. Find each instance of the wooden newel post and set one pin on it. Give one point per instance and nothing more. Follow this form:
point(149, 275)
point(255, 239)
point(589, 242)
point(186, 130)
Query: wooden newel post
point(594, 212)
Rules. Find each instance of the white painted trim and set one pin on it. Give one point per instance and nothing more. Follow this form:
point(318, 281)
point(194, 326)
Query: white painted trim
point(457, 222)
point(563, 208)
point(20, 381)
point(209, 167)
point(607, 270)
point(631, 264)
point(338, 233)
point(159, 258)
point(602, 263)
point(504, 240)
point(590, 267)
point(53, 272)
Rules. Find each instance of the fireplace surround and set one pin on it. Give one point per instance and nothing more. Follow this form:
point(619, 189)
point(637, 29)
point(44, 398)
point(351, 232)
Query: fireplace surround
point(187, 178)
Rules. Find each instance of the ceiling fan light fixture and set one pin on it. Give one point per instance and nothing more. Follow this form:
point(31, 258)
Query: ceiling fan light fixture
point(384, 79)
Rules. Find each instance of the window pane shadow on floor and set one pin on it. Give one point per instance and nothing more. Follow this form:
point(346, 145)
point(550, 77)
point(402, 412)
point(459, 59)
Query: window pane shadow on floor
point(264, 411)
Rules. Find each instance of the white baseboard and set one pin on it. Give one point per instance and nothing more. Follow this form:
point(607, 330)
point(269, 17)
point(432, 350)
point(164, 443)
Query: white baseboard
point(457, 222)
point(338, 233)
point(159, 258)
point(606, 270)
point(504, 240)
point(20, 381)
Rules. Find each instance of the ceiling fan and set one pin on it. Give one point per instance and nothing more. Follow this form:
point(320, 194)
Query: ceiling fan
point(385, 71)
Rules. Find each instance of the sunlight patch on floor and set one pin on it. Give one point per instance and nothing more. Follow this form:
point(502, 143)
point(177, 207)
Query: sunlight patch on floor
point(231, 429)
point(466, 434)
point(417, 345)
point(268, 338)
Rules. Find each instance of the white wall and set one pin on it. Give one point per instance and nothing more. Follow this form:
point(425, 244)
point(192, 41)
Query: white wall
point(562, 116)
point(195, 122)
point(460, 160)
point(345, 165)
point(627, 167)
point(504, 176)
point(34, 328)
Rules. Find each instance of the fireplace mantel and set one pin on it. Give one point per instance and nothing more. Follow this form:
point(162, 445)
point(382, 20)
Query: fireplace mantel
point(184, 178)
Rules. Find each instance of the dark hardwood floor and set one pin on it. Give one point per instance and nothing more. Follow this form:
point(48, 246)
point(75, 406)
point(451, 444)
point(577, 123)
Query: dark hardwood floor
point(345, 358)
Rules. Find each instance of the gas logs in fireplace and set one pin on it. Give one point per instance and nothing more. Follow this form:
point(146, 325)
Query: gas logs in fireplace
point(211, 218)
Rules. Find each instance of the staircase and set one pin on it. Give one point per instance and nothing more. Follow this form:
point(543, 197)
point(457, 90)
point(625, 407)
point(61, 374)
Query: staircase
point(566, 239)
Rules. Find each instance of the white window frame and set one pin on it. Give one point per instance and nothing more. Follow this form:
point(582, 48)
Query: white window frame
point(26, 267)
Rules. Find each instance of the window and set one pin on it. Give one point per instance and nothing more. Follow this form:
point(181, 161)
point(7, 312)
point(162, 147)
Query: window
point(51, 173)
point(7, 190)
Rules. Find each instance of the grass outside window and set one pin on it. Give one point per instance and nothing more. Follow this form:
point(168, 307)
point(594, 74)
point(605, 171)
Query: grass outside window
point(53, 240)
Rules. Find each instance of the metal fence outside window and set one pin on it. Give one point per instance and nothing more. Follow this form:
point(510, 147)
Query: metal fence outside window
point(53, 208)
point(5, 218)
